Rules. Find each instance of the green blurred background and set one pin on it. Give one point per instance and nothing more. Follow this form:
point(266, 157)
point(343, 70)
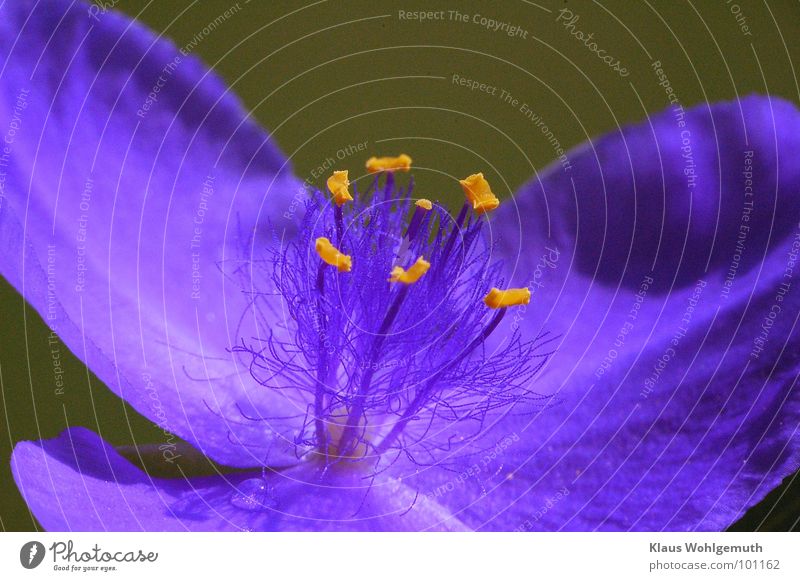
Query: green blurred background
point(332, 74)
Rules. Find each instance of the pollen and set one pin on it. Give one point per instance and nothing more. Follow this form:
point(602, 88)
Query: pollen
point(339, 185)
point(424, 204)
point(400, 163)
point(498, 299)
point(330, 255)
point(478, 192)
point(412, 275)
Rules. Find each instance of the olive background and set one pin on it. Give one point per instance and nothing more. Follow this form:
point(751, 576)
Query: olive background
point(327, 75)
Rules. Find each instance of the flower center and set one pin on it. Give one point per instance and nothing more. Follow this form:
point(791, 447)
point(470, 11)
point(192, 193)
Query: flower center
point(390, 304)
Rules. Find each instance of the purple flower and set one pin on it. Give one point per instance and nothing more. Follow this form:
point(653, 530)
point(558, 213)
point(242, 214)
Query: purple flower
point(648, 385)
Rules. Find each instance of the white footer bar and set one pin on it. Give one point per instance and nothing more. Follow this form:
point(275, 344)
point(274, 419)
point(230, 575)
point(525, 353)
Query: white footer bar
point(390, 556)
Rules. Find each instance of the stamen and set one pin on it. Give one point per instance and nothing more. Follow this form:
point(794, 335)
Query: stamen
point(338, 185)
point(338, 426)
point(370, 377)
point(462, 216)
point(330, 255)
point(400, 163)
point(388, 187)
point(413, 274)
point(338, 217)
point(322, 372)
point(498, 299)
point(423, 206)
point(478, 192)
point(349, 439)
point(416, 404)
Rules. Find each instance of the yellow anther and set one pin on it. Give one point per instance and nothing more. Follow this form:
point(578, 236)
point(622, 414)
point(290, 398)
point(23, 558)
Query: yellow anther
point(424, 204)
point(339, 186)
point(498, 299)
point(330, 255)
point(478, 192)
point(400, 163)
point(412, 275)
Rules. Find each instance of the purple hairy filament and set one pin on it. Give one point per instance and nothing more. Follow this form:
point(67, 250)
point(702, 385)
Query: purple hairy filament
point(390, 303)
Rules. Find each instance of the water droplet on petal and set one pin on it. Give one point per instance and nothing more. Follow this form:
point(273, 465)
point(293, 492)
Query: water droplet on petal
point(189, 505)
point(254, 494)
